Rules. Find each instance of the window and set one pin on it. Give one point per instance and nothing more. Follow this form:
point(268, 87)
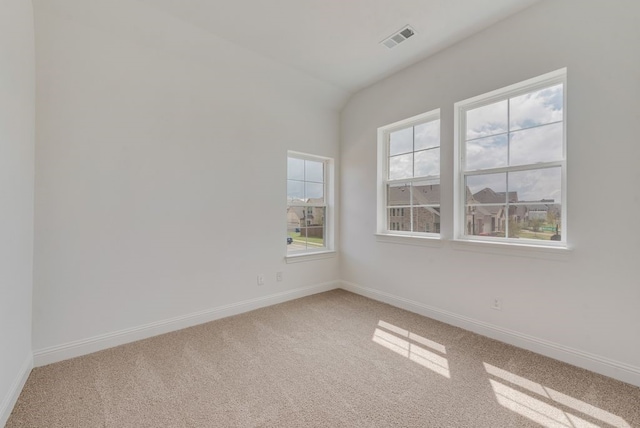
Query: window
point(511, 163)
point(409, 176)
point(308, 203)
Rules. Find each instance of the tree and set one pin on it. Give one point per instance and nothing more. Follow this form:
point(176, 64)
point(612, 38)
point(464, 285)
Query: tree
point(536, 224)
point(514, 228)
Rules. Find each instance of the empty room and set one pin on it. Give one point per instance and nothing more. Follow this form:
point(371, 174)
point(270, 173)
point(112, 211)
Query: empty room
point(411, 213)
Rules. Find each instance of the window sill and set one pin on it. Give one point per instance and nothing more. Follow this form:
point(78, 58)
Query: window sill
point(307, 257)
point(423, 241)
point(513, 249)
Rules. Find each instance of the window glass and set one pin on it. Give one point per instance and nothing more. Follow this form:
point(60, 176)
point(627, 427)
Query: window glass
point(513, 162)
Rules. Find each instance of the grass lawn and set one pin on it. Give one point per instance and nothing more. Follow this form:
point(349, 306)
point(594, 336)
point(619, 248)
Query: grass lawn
point(527, 234)
point(301, 239)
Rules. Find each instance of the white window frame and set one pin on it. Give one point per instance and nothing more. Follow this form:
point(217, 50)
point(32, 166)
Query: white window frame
point(329, 205)
point(460, 109)
point(384, 133)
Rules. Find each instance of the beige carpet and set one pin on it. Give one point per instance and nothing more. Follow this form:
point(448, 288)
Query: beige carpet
point(335, 360)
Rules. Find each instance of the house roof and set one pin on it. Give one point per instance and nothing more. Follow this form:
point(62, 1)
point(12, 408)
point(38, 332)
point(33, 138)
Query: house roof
point(428, 194)
point(489, 196)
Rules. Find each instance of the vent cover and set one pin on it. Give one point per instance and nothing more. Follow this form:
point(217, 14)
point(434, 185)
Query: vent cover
point(398, 37)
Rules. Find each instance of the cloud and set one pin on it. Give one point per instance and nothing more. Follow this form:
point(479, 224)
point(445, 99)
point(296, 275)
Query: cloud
point(313, 190)
point(427, 135)
point(401, 141)
point(537, 184)
point(541, 144)
point(401, 166)
point(490, 152)
point(295, 169)
point(295, 190)
point(314, 171)
point(427, 163)
point(533, 185)
point(536, 108)
point(495, 182)
point(535, 131)
point(487, 120)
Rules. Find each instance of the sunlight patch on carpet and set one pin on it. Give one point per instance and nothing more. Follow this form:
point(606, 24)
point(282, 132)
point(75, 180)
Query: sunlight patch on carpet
point(407, 344)
point(549, 412)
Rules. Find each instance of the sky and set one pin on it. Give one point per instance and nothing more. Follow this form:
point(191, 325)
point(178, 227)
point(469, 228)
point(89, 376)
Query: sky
point(415, 157)
point(533, 185)
point(523, 130)
point(526, 129)
point(304, 179)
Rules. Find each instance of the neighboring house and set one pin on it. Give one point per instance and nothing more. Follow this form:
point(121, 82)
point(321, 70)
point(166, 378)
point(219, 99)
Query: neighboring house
point(425, 218)
point(294, 216)
point(489, 219)
point(492, 219)
point(309, 221)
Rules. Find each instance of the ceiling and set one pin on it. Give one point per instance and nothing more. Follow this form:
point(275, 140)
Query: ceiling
point(338, 41)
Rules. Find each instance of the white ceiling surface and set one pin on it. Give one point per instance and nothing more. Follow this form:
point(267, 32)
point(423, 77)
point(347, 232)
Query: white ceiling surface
point(338, 40)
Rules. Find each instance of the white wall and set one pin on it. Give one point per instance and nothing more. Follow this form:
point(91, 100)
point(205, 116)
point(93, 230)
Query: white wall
point(161, 169)
point(587, 301)
point(17, 109)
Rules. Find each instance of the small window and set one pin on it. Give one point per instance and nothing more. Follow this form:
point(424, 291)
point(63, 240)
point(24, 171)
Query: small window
point(511, 163)
point(409, 176)
point(308, 197)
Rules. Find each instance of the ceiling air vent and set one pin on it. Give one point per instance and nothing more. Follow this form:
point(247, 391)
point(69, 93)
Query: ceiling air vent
point(398, 37)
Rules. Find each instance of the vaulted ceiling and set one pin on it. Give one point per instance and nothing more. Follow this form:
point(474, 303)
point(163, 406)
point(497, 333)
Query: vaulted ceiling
point(338, 41)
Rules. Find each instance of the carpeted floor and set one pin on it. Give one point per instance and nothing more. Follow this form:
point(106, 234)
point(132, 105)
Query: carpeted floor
point(335, 360)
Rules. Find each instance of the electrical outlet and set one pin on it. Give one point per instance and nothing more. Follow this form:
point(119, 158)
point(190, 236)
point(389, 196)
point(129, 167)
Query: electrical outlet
point(261, 279)
point(279, 276)
point(497, 304)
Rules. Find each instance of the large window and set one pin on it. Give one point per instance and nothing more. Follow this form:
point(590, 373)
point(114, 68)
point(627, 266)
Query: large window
point(511, 160)
point(409, 176)
point(309, 197)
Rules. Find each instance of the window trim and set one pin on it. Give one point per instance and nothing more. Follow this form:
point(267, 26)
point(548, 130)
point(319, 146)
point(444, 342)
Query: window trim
point(511, 91)
point(383, 173)
point(328, 250)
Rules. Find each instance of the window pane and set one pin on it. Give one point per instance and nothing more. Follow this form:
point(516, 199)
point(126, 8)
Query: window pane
point(315, 216)
point(425, 193)
point(425, 219)
point(295, 190)
point(541, 144)
point(486, 220)
point(401, 141)
point(487, 120)
point(537, 185)
point(314, 192)
point(537, 221)
point(314, 236)
point(399, 219)
point(487, 189)
point(295, 169)
point(306, 225)
point(401, 166)
point(295, 242)
point(398, 194)
point(536, 108)
point(427, 135)
point(427, 163)
point(314, 171)
point(490, 152)
point(294, 217)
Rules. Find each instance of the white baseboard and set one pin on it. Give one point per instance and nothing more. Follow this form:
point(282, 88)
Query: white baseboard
point(9, 401)
point(97, 343)
point(605, 366)
point(586, 360)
